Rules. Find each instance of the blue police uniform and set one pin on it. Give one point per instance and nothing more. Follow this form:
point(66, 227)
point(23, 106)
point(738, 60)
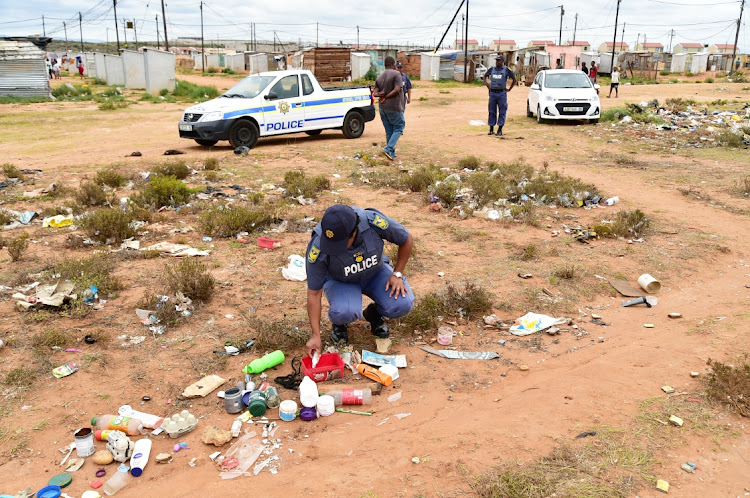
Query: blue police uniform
point(361, 269)
point(406, 86)
point(498, 106)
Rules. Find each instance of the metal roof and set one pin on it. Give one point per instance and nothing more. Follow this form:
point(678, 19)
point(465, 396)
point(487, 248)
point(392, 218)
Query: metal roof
point(23, 72)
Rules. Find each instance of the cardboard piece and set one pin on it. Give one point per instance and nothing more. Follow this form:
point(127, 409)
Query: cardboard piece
point(624, 288)
point(203, 387)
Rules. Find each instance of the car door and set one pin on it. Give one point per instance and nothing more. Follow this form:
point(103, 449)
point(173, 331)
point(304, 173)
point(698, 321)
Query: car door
point(284, 111)
point(535, 92)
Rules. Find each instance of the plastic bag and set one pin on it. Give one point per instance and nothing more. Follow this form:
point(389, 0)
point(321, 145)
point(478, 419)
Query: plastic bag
point(534, 322)
point(295, 270)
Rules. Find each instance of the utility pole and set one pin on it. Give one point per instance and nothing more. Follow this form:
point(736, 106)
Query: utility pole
point(80, 26)
point(156, 20)
point(466, 45)
point(622, 38)
point(117, 33)
point(614, 41)
point(357, 37)
point(446, 29)
point(124, 34)
point(670, 42)
point(737, 37)
point(164, 18)
point(135, 33)
point(562, 13)
point(638, 38)
point(575, 27)
point(203, 48)
point(44, 29)
point(65, 27)
point(317, 26)
point(274, 40)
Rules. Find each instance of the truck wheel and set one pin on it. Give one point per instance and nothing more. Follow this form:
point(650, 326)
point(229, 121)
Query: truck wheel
point(243, 133)
point(314, 133)
point(354, 125)
point(206, 143)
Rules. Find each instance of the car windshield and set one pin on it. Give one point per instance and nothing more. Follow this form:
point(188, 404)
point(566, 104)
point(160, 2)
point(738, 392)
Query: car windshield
point(250, 87)
point(567, 80)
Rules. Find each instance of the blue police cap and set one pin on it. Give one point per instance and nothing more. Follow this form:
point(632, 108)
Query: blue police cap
point(337, 225)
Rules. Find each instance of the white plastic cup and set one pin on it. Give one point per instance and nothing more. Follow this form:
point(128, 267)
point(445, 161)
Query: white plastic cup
point(649, 283)
point(326, 405)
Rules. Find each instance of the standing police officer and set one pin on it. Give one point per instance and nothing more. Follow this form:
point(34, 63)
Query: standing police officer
point(496, 80)
point(345, 260)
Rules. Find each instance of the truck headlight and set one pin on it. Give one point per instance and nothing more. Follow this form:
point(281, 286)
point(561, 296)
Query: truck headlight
point(212, 116)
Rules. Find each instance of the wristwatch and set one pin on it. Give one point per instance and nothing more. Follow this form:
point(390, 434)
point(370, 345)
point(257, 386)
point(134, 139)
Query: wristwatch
point(398, 274)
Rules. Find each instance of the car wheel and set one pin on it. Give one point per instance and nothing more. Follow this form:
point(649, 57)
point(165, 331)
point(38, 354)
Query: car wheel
point(354, 125)
point(314, 133)
point(244, 133)
point(539, 118)
point(529, 114)
point(206, 143)
point(594, 121)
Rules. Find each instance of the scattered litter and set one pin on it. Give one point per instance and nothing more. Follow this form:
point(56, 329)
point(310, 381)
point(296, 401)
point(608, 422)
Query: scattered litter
point(415, 460)
point(267, 243)
point(203, 387)
point(382, 345)
point(40, 191)
point(531, 323)
point(468, 355)
point(688, 467)
point(164, 457)
point(667, 389)
point(476, 122)
point(176, 250)
point(694, 374)
point(675, 315)
point(525, 275)
point(65, 370)
point(649, 283)
point(379, 360)
point(172, 152)
point(295, 270)
point(662, 486)
point(586, 434)
point(384, 421)
point(648, 325)
point(402, 415)
point(494, 321)
point(675, 420)
point(624, 288)
point(647, 300)
point(49, 295)
point(445, 335)
point(58, 221)
point(394, 397)
point(524, 368)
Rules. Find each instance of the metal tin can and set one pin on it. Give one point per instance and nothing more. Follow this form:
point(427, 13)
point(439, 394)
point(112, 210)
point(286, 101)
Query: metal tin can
point(273, 400)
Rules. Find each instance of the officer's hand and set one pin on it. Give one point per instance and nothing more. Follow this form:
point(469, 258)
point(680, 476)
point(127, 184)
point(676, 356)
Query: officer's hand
point(397, 286)
point(314, 344)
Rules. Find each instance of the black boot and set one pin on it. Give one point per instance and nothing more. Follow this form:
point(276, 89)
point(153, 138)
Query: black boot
point(499, 131)
point(491, 130)
point(340, 333)
point(377, 325)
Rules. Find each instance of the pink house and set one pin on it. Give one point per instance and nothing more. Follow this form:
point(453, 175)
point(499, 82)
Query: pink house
point(569, 55)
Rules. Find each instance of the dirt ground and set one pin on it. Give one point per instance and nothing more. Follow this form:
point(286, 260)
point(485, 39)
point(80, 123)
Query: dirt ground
point(466, 417)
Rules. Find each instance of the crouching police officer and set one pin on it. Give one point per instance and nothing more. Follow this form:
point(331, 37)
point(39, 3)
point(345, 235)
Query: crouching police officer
point(345, 260)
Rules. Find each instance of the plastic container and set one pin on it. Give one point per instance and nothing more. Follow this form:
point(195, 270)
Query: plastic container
point(268, 361)
point(233, 400)
point(84, 442)
point(257, 404)
point(273, 400)
point(267, 243)
point(117, 481)
point(149, 421)
point(612, 201)
point(445, 336)
point(288, 410)
point(326, 406)
point(649, 283)
point(308, 414)
point(101, 435)
point(308, 393)
point(49, 492)
point(236, 427)
point(141, 452)
point(130, 426)
point(351, 396)
point(330, 367)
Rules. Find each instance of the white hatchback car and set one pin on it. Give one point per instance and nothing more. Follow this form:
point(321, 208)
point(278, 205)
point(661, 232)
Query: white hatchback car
point(563, 94)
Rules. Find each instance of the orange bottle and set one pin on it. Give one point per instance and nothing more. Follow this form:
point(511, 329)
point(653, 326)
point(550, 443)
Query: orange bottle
point(374, 374)
point(130, 426)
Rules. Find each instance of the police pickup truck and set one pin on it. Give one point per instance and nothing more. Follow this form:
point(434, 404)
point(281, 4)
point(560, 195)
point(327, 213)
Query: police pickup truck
point(275, 103)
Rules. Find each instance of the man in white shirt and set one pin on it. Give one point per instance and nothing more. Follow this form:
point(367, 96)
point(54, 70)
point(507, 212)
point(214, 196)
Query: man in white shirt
point(615, 83)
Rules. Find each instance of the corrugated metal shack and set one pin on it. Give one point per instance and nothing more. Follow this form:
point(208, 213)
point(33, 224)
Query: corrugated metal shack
point(23, 72)
point(326, 63)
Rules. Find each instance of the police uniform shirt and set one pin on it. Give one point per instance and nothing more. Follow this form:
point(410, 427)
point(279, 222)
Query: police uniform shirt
point(363, 259)
point(499, 77)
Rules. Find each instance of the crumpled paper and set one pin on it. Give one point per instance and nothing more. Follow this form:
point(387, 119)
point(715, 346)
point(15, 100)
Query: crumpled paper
point(49, 295)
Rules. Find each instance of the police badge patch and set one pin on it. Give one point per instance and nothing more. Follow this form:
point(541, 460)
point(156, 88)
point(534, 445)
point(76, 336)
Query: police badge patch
point(379, 222)
point(358, 257)
point(312, 256)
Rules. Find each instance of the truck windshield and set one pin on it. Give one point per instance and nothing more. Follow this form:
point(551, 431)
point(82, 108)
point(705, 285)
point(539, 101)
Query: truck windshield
point(567, 80)
point(250, 87)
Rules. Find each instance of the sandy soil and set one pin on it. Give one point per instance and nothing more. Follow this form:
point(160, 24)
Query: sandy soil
point(465, 416)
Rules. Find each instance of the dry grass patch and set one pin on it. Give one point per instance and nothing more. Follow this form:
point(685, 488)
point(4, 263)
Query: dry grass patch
point(108, 225)
point(17, 246)
point(191, 277)
point(297, 183)
point(85, 272)
point(110, 177)
point(730, 384)
point(164, 191)
point(469, 301)
point(177, 169)
point(227, 220)
point(627, 224)
point(286, 334)
point(211, 164)
point(92, 194)
point(11, 171)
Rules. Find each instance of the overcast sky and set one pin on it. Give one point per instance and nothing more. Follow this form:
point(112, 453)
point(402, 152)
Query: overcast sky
point(410, 21)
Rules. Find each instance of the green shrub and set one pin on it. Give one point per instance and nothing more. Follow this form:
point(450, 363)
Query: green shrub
point(487, 187)
point(194, 92)
point(728, 138)
point(65, 91)
point(297, 183)
point(109, 225)
point(709, 80)
point(664, 72)
point(469, 302)
point(228, 70)
point(17, 246)
point(91, 194)
point(230, 219)
point(176, 168)
point(109, 177)
point(447, 191)
point(211, 164)
point(85, 272)
point(163, 92)
point(190, 277)
point(11, 171)
point(469, 162)
point(423, 177)
point(111, 106)
point(212, 70)
point(164, 191)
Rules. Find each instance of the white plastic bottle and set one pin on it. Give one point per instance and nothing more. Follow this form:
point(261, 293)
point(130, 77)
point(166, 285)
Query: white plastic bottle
point(308, 392)
point(141, 452)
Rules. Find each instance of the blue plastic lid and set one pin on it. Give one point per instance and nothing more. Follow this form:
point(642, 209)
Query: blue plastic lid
point(136, 472)
point(49, 492)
